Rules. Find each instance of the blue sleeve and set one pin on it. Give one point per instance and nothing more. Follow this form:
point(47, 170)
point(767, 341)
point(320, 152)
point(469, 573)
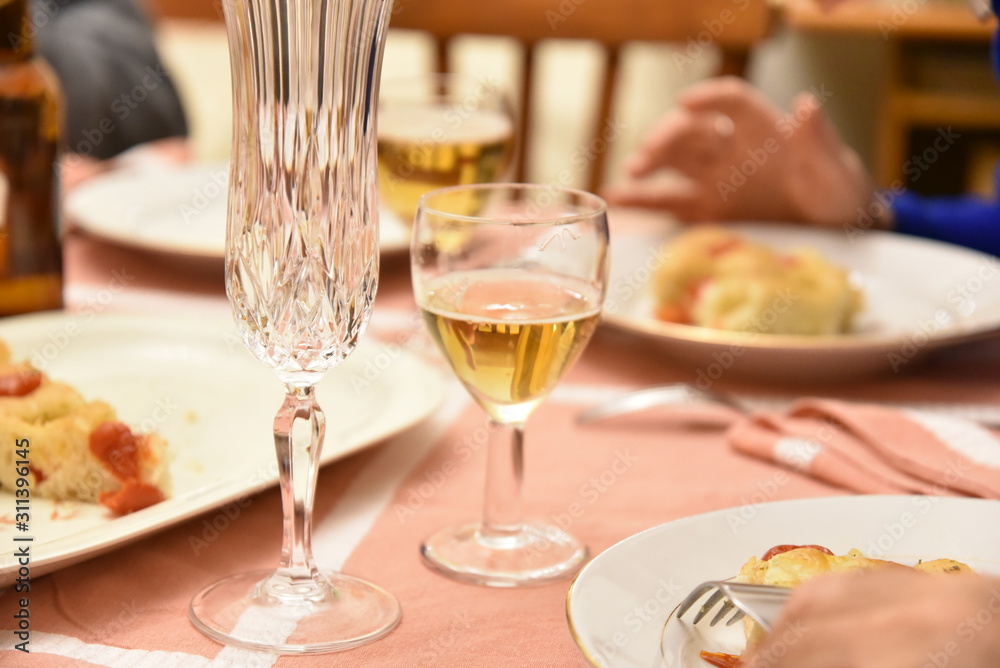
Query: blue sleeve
point(966, 221)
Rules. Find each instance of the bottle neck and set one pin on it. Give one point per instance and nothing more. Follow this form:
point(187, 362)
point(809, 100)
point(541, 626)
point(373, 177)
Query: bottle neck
point(16, 32)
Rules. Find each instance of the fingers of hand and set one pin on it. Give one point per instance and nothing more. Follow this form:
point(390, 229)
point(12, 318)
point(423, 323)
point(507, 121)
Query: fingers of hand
point(731, 96)
point(827, 5)
point(687, 142)
point(814, 126)
point(885, 618)
point(684, 199)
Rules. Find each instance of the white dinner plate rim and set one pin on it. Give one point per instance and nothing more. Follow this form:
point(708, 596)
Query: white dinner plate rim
point(424, 398)
point(80, 206)
point(777, 342)
point(576, 628)
point(657, 329)
point(910, 313)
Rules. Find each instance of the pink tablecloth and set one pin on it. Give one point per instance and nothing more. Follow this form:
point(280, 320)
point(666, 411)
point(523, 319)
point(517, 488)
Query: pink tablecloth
point(129, 607)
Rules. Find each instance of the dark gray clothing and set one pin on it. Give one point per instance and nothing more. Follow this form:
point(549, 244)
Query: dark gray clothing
point(117, 91)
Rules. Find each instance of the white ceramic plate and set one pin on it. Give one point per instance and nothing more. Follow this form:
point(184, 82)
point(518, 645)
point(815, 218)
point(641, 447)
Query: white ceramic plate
point(176, 210)
point(197, 386)
point(620, 602)
point(920, 295)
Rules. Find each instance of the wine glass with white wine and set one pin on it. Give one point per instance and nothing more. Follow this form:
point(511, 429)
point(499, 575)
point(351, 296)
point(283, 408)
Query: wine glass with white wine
point(510, 279)
point(440, 130)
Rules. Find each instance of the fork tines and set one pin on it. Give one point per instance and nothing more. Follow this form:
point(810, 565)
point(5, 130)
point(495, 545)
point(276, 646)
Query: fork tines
point(706, 607)
point(762, 603)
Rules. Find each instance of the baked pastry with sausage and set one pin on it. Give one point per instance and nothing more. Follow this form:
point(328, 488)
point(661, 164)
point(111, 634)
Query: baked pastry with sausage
point(791, 565)
point(72, 448)
point(713, 277)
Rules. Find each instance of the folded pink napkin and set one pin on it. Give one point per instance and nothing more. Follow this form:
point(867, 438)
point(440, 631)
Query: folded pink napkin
point(874, 449)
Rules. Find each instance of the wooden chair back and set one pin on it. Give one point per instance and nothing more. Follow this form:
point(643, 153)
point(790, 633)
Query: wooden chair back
point(731, 26)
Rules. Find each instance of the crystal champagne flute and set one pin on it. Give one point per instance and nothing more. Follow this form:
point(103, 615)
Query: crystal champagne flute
point(510, 279)
point(301, 273)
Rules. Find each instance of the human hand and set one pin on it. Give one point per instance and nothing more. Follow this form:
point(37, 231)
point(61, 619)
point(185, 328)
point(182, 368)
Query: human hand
point(741, 158)
point(892, 618)
point(827, 5)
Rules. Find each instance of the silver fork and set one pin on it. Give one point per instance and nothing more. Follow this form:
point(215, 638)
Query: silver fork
point(761, 602)
point(675, 394)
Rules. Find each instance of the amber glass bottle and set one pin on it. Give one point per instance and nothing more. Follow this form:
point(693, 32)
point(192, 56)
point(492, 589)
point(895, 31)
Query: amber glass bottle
point(30, 138)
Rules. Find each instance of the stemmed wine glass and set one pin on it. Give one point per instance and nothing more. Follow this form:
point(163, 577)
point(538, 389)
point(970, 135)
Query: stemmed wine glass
point(510, 279)
point(301, 273)
point(438, 130)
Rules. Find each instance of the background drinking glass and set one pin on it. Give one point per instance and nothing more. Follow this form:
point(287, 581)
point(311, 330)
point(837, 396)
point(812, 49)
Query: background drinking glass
point(511, 294)
point(440, 130)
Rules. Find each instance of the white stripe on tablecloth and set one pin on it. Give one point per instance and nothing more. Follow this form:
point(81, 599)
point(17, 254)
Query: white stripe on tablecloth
point(962, 436)
point(262, 628)
point(333, 541)
point(102, 655)
point(336, 536)
point(797, 453)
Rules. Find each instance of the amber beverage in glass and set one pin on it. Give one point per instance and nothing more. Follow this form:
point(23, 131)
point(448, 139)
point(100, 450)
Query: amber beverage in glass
point(440, 130)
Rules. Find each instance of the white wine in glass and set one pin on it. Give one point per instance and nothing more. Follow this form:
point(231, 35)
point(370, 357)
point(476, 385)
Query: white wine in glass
point(510, 334)
point(440, 130)
point(511, 293)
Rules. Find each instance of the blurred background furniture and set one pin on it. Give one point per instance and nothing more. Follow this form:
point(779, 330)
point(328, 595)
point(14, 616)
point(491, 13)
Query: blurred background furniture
point(897, 70)
point(936, 75)
point(731, 27)
point(197, 10)
point(589, 75)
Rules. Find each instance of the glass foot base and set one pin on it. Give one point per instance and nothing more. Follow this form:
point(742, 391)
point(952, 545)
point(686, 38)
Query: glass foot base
point(350, 613)
point(537, 554)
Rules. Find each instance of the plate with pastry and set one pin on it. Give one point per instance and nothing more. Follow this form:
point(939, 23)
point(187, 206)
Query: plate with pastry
point(114, 426)
point(689, 643)
point(620, 608)
point(789, 303)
